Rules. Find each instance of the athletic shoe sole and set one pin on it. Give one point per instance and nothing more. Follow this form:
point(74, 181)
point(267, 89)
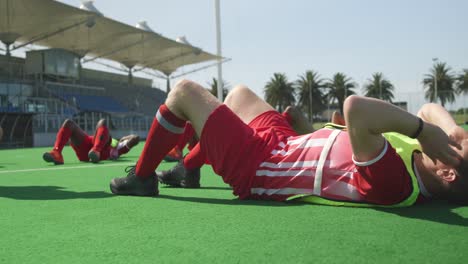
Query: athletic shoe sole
point(93, 157)
point(49, 158)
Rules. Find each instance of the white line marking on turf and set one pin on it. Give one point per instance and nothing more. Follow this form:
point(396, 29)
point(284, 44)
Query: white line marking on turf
point(66, 168)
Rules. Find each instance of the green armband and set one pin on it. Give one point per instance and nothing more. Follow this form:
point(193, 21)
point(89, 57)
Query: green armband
point(114, 143)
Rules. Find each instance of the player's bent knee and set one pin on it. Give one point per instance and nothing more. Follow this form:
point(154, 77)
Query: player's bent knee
point(102, 122)
point(241, 89)
point(238, 93)
point(68, 123)
point(185, 90)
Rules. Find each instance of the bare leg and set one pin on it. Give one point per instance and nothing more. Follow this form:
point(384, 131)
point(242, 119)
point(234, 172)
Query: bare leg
point(246, 104)
point(132, 140)
point(190, 101)
point(77, 134)
point(187, 101)
point(68, 131)
point(242, 101)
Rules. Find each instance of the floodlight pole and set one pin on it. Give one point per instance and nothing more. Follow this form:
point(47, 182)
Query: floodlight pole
point(218, 48)
point(435, 79)
point(311, 119)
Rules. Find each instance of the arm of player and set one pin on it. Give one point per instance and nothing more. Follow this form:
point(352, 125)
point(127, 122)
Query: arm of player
point(132, 140)
point(437, 115)
point(367, 118)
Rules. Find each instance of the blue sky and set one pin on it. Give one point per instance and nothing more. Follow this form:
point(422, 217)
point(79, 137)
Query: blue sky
point(358, 38)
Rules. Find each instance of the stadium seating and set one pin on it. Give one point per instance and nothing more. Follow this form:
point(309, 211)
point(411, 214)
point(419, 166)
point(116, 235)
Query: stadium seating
point(10, 109)
point(93, 103)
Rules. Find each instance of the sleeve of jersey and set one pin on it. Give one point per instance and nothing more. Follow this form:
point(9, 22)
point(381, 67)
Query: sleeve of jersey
point(384, 179)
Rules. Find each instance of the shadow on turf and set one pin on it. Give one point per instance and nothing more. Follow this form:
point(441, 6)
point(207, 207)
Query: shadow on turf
point(439, 212)
point(47, 193)
point(201, 188)
point(227, 201)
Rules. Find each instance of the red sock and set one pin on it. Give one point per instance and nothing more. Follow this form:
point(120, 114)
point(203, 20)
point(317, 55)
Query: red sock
point(164, 134)
point(189, 132)
point(101, 138)
point(195, 158)
point(63, 135)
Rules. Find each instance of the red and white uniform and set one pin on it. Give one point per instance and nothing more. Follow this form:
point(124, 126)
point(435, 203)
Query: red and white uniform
point(87, 143)
point(107, 152)
point(267, 160)
point(306, 165)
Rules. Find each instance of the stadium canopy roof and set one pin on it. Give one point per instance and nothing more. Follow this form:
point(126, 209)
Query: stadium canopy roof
point(89, 34)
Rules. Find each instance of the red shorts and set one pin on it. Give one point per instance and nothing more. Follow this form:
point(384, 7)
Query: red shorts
point(236, 149)
point(86, 145)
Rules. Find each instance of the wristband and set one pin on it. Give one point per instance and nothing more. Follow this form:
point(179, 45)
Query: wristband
point(420, 128)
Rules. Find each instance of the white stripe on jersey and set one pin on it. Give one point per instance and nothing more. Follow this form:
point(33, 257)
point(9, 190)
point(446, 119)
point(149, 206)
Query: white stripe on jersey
point(300, 143)
point(308, 143)
point(323, 157)
point(290, 165)
point(288, 173)
point(295, 164)
point(284, 191)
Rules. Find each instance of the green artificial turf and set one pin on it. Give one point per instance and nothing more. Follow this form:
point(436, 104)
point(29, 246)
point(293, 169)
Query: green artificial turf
point(66, 214)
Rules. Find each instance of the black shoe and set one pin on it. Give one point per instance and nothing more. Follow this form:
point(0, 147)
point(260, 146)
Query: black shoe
point(133, 185)
point(179, 176)
point(94, 156)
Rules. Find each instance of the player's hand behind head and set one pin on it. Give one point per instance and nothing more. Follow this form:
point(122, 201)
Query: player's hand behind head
point(438, 145)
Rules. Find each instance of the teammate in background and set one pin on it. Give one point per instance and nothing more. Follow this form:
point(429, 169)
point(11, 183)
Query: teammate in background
point(258, 153)
point(95, 148)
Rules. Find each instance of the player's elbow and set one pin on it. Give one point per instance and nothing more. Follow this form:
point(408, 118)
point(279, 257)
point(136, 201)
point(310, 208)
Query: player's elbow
point(353, 105)
point(355, 109)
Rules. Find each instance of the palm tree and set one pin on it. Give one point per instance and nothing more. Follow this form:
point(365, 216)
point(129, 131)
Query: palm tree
point(462, 79)
point(309, 90)
point(214, 88)
point(339, 87)
point(279, 92)
point(379, 87)
point(445, 84)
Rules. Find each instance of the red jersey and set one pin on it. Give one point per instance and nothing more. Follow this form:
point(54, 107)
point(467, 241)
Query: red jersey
point(322, 164)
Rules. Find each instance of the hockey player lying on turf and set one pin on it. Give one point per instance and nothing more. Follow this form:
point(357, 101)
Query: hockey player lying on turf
point(186, 173)
point(254, 149)
point(95, 148)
